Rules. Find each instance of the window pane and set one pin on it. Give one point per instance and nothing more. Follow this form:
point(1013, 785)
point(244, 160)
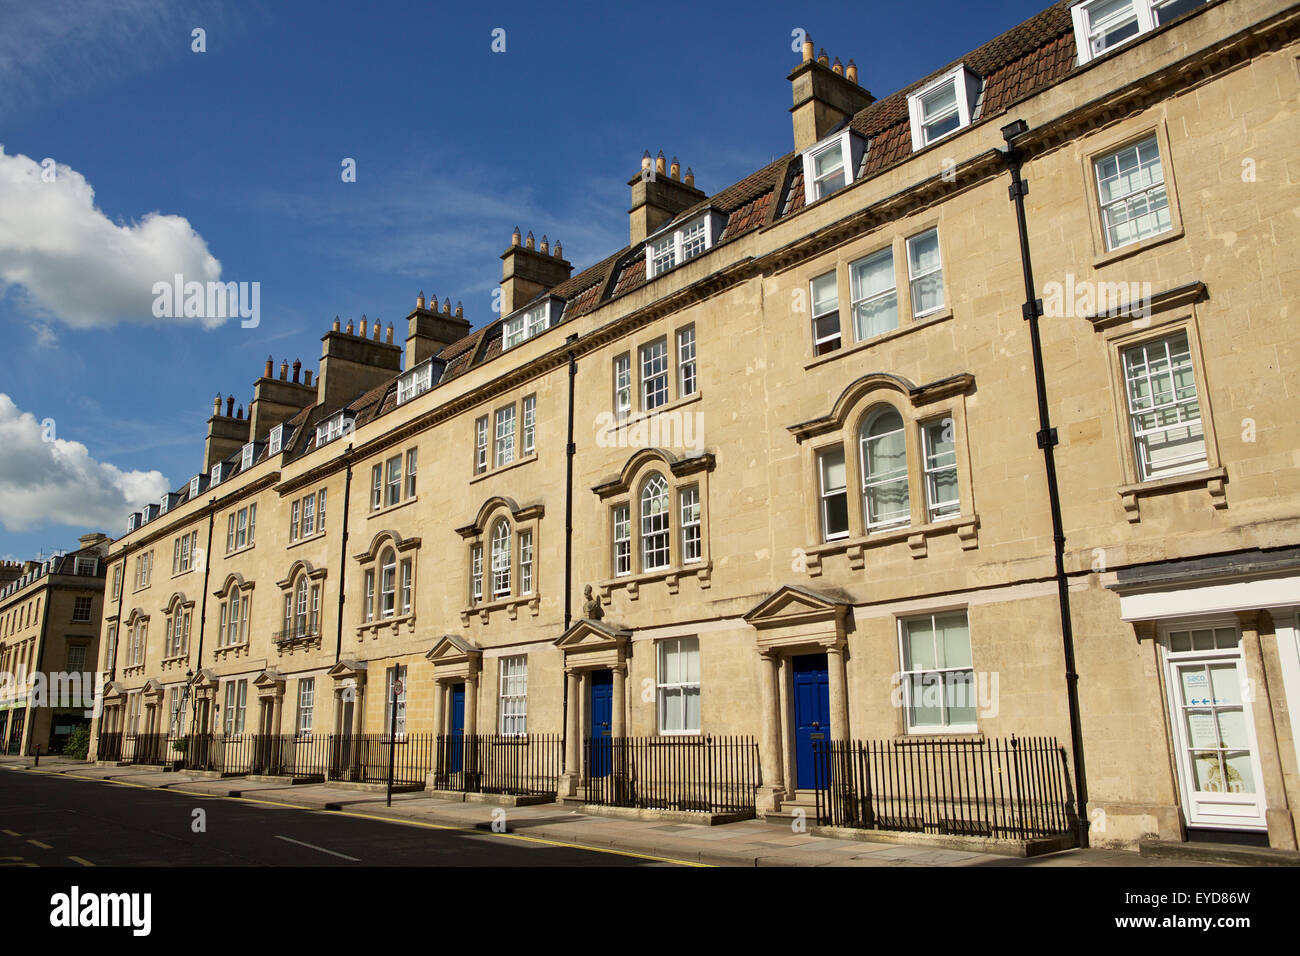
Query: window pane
point(875, 302)
point(925, 268)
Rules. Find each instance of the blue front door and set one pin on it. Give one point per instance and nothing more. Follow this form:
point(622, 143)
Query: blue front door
point(602, 716)
point(812, 714)
point(457, 726)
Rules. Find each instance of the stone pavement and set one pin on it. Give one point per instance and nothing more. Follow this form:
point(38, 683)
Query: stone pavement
point(749, 843)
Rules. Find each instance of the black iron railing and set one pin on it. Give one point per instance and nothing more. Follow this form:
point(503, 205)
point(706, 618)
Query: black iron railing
point(364, 758)
point(1017, 788)
point(297, 632)
point(527, 764)
point(110, 747)
point(230, 754)
point(300, 756)
point(705, 774)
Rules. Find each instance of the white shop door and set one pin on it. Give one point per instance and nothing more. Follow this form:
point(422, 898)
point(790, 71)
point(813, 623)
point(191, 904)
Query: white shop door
point(1214, 729)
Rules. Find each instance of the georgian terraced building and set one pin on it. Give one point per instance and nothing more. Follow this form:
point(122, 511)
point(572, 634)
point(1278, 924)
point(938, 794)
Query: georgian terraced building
point(49, 626)
point(791, 438)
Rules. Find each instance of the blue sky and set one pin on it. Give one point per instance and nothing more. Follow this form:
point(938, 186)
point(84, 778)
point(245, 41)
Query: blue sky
point(454, 145)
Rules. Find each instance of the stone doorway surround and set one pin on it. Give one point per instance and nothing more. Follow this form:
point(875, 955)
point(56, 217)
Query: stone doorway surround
point(588, 646)
point(349, 677)
point(270, 697)
point(791, 621)
point(455, 661)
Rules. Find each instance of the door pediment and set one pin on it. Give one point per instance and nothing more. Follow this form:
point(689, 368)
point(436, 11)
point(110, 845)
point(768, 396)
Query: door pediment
point(589, 644)
point(795, 615)
point(454, 657)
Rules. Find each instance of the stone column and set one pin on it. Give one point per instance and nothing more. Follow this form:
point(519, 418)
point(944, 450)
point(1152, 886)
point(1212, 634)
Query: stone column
point(618, 727)
point(568, 784)
point(358, 708)
point(471, 703)
point(773, 788)
point(439, 691)
point(1277, 813)
point(839, 701)
point(277, 713)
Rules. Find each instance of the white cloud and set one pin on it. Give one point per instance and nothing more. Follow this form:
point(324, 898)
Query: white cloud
point(73, 264)
point(57, 482)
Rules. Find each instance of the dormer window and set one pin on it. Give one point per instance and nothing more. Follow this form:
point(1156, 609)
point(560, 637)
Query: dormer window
point(166, 502)
point(333, 427)
point(215, 478)
point(943, 107)
point(829, 166)
point(534, 320)
point(275, 440)
point(416, 382)
point(249, 455)
point(133, 521)
point(1102, 25)
point(196, 486)
point(682, 242)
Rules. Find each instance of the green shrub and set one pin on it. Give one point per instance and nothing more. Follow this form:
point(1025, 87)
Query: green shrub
point(77, 745)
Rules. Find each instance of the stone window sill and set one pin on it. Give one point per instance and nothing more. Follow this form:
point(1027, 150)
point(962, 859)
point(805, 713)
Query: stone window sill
point(375, 627)
point(939, 737)
point(1212, 480)
point(702, 571)
point(389, 509)
point(638, 417)
point(510, 605)
point(1132, 249)
point(917, 537)
point(180, 660)
point(916, 325)
point(133, 670)
point(314, 536)
point(235, 651)
point(483, 475)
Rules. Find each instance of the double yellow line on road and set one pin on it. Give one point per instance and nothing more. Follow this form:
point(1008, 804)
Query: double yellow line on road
point(474, 831)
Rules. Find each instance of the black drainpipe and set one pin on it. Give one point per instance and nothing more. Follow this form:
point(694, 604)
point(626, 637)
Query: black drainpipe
point(570, 449)
point(343, 551)
point(203, 617)
point(1047, 441)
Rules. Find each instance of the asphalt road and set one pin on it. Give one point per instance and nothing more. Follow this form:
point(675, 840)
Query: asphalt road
point(49, 820)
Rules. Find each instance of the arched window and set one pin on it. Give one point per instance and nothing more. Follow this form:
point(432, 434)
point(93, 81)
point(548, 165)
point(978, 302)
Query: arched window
point(501, 559)
point(655, 550)
point(300, 616)
point(885, 500)
point(387, 582)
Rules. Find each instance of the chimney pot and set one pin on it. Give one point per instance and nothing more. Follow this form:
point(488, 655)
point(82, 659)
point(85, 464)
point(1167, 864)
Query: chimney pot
point(646, 160)
point(822, 58)
point(529, 242)
point(365, 325)
point(377, 330)
point(230, 406)
point(545, 248)
point(514, 240)
point(807, 49)
point(349, 326)
point(389, 336)
point(446, 306)
point(284, 370)
point(837, 67)
point(336, 323)
point(306, 377)
point(675, 170)
point(851, 72)
point(660, 163)
point(269, 362)
point(419, 300)
point(460, 309)
point(297, 367)
point(557, 251)
point(240, 413)
point(216, 404)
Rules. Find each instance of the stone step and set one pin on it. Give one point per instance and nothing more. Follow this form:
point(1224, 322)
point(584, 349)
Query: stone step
point(1226, 853)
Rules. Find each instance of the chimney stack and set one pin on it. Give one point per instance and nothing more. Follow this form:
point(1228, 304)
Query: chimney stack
point(825, 96)
point(657, 196)
point(226, 433)
point(428, 332)
point(277, 400)
point(350, 365)
point(527, 272)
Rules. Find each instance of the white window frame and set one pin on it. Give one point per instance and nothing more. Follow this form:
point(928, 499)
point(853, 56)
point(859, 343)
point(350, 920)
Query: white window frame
point(651, 383)
point(825, 495)
point(621, 522)
point(388, 583)
point(678, 690)
point(688, 499)
point(851, 148)
point(905, 674)
point(623, 385)
point(476, 574)
point(246, 456)
point(513, 706)
point(1136, 434)
point(480, 444)
point(913, 278)
point(415, 382)
point(688, 379)
point(932, 468)
point(503, 446)
point(670, 248)
point(393, 481)
point(274, 440)
point(306, 706)
point(858, 298)
point(412, 464)
point(1144, 12)
point(529, 436)
point(530, 322)
point(838, 337)
point(525, 562)
point(1143, 194)
point(966, 88)
point(656, 527)
point(501, 558)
